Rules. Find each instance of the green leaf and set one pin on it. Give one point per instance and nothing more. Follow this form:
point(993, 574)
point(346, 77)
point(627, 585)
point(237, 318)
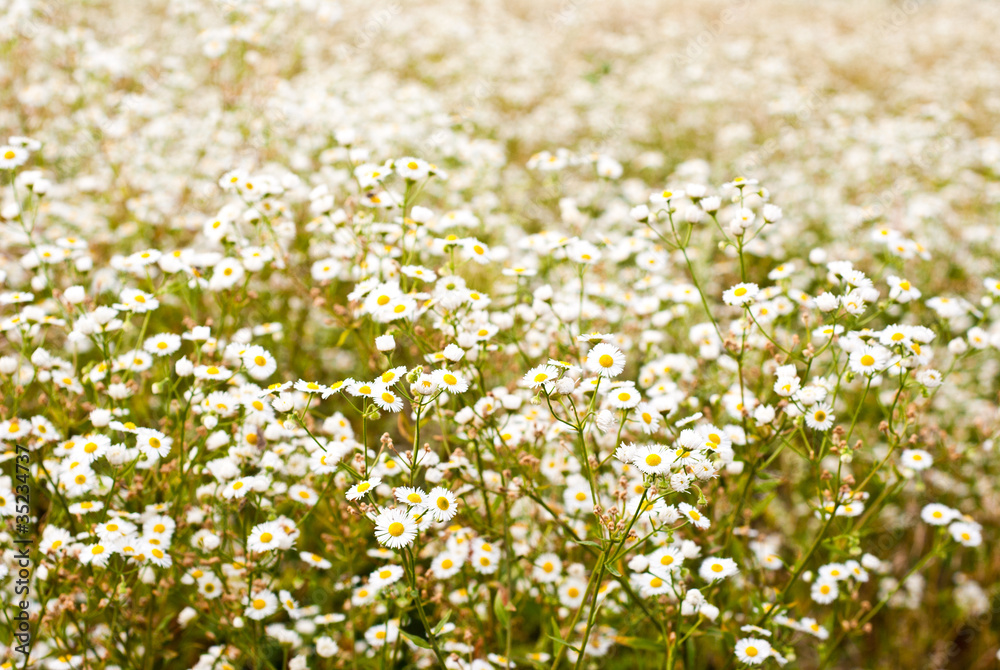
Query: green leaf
point(612, 570)
point(559, 640)
point(762, 505)
point(590, 543)
point(343, 337)
point(503, 616)
point(419, 641)
point(441, 624)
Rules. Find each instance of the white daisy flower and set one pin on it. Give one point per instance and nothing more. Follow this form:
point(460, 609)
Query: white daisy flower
point(395, 528)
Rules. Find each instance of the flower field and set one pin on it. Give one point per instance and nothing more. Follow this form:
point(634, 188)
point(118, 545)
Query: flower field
point(499, 334)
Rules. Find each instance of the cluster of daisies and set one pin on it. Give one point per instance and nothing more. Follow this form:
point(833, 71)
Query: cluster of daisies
point(316, 364)
point(573, 455)
point(241, 420)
